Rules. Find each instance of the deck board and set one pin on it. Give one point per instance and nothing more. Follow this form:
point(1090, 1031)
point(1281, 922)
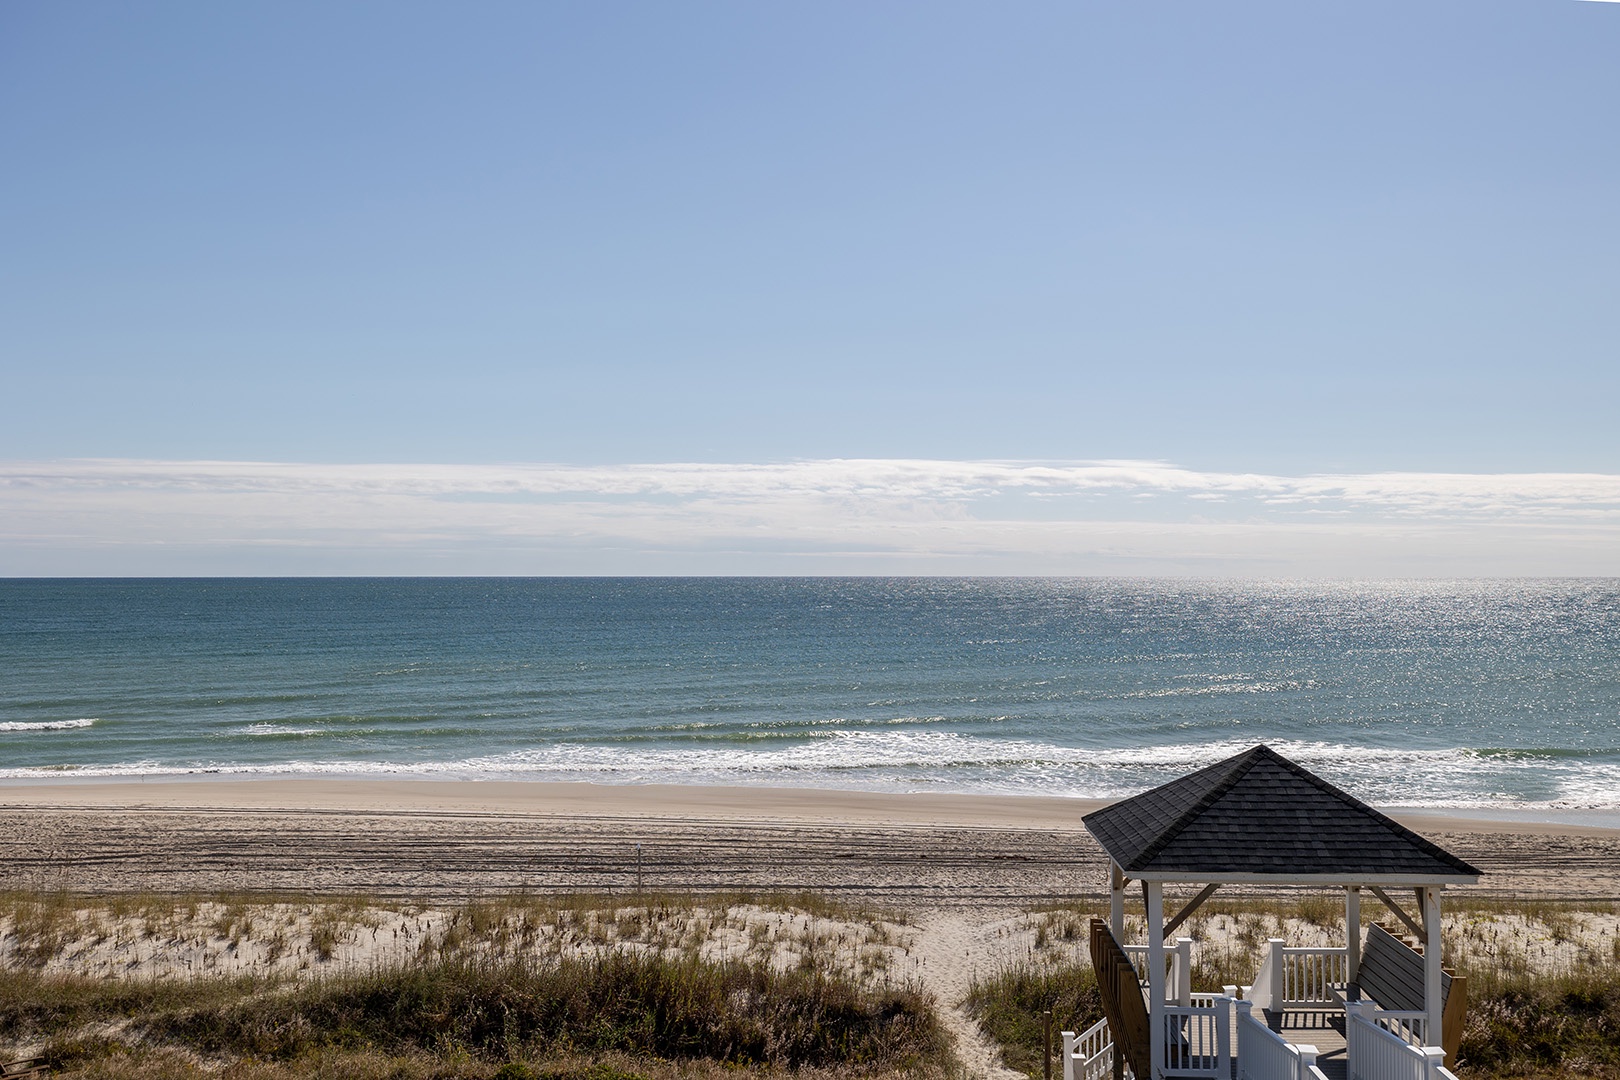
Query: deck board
point(1323, 1030)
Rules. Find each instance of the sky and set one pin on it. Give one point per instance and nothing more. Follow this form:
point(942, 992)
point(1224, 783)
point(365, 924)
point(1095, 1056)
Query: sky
point(1251, 289)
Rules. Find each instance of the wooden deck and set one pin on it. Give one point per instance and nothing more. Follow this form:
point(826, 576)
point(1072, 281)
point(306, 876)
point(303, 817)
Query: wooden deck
point(1323, 1030)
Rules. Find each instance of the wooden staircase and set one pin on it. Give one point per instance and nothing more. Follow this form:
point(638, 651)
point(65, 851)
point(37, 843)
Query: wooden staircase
point(1120, 987)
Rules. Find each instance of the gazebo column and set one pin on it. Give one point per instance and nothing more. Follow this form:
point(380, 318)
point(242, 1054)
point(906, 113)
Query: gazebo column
point(1116, 901)
point(1352, 929)
point(1155, 974)
point(1433, 1002)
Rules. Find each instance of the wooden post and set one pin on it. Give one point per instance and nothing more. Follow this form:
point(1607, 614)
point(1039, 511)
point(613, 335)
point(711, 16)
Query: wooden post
point(1433, 1003)
point(1046, 1042)
point(1352, 929)
point(1155, 974)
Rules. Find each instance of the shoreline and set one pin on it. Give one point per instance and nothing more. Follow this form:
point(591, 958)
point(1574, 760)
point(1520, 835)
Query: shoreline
point(733, 802)
point(546, 798)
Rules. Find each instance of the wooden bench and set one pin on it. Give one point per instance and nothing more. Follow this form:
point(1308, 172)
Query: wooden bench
point(1391, 976)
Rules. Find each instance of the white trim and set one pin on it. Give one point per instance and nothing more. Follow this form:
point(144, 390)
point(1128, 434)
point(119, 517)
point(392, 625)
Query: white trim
point(1433, 999)
point(1191, 877)
point(1154, 902)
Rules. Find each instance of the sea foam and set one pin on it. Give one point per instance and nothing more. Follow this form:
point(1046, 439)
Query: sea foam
point(47, 725)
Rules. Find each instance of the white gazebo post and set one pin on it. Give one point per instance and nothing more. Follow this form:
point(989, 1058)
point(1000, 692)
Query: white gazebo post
point(1116, 901)
point(1155, 975)
point(1433, 999)
point(1352, 930)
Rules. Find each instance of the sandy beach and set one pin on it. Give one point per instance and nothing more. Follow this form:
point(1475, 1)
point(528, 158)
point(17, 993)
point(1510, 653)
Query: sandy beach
point(449, 839)
point(968, 880)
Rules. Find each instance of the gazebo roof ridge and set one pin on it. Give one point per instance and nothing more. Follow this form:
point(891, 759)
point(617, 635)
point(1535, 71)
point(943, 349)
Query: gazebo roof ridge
point(1243, 764)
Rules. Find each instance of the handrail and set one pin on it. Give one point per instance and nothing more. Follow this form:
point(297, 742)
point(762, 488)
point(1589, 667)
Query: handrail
point(1265, 1055)
point(1404, 1024)
point(1090, 1054)
point(1198, 1039)
point(1373, 1050)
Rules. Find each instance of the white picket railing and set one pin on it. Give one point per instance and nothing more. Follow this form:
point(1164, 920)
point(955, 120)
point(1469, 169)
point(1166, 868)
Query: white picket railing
point(1376, 1047)
point(1265, 1055)
point(1292, 977)
point(1404, 1024)
point(1310, 974)
point(1198, 1038)
point(1090, 1054)
point(1178, 959)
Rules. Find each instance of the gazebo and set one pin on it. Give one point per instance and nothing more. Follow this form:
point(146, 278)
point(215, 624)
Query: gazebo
point(1260, 819)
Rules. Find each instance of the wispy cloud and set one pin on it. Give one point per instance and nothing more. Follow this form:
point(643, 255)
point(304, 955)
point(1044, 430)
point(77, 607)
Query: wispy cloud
point(889, 515)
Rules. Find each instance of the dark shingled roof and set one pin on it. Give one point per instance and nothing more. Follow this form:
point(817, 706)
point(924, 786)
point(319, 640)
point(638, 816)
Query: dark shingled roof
point(1259, 813)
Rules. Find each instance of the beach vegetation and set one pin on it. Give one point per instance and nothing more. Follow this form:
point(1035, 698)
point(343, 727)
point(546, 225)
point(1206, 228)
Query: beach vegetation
point(559, 987)
point(1010, 1006)
point(489, 1013)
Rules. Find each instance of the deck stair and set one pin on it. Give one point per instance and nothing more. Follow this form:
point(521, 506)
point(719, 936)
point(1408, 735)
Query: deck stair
point(1120, 987)
point(1391, 979)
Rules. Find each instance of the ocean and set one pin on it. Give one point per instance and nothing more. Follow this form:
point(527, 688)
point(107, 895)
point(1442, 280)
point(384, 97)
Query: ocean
point(1482, 695)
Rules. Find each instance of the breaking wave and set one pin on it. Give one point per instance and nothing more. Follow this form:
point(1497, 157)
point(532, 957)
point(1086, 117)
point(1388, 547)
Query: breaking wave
point(954, 762)
point(47, 725)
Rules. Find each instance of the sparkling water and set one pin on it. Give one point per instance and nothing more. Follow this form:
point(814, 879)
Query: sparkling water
point(1478, 694)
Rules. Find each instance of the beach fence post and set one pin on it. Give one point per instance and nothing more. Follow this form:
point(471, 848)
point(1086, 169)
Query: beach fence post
point(1046, 1042)
point(638, 869)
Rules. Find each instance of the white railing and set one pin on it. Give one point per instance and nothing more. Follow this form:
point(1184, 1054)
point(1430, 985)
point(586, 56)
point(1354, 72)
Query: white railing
point(1375, 1052)
point(1090, 1054)
point(1310, 974)
point(1291, 977)
point(1178, 958)
point(1405, 1024)
point(1265, 1055)
point(1198, 1038)
point(1266, 991)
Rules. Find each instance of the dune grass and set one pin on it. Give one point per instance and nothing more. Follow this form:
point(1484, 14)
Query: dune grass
point(483, 1014)
point(1009, 1005)
point(604, 988)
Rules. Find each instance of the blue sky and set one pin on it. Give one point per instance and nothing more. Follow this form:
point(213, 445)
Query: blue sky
point(1273, 239)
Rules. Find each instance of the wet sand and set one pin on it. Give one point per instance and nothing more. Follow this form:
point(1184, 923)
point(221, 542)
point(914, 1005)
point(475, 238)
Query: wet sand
point(450, 839)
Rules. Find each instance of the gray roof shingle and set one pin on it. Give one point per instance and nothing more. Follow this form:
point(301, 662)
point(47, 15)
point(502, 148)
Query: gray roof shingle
point(1260, 814)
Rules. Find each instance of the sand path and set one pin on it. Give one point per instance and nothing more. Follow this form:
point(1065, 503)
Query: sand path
point(952, 944)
